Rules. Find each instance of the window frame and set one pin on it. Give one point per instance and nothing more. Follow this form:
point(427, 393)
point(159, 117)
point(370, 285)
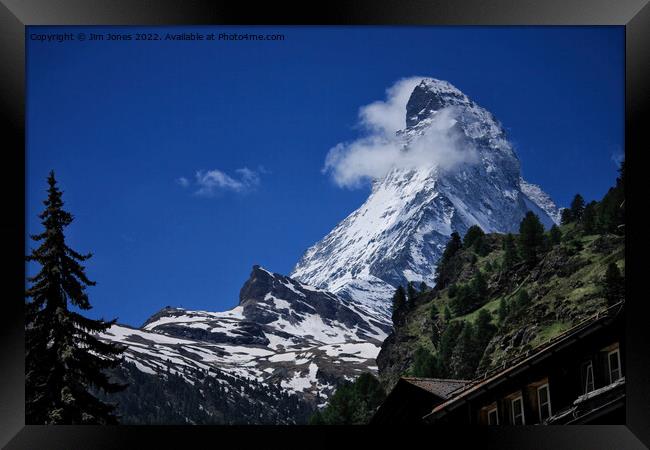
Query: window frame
point(494, 410)
point(589, 369)
point(519, 398)
point(609, 365)
point(548, 402)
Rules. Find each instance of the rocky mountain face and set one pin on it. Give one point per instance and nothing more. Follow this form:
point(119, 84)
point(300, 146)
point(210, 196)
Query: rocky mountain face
point(283, 335)
point(399, 233)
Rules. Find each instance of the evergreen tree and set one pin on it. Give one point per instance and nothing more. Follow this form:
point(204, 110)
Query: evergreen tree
point(484, 329)
point(412, 293)
point(446, 267)
point(475, 239)
point(368, 395)
point(452, 291)
point(577, 207)
point(463, 359)
point(531, 237)
point(452, 246)
point(510, 256)
point(555, 235)
point(589, 217)
point(399, 304)
point(423, 287)
point(64, 358)
point(613, 284)
point(611, 210)
point(463, 300)
point(435, 330)
point(448, 341)
point(352, 403)
point(479, 287)
point(424, 364)
point(566, 217)
point(317, 419)
point(447, 314)
point(473, 234)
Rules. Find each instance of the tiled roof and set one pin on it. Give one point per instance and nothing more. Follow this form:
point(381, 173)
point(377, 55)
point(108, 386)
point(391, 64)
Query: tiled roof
point(443, 388)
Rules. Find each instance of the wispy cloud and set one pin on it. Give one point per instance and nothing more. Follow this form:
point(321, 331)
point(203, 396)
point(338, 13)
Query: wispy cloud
point(387, 117)
point(182, 181)
point(210, 183)
point(617, 157)
point(380, 150)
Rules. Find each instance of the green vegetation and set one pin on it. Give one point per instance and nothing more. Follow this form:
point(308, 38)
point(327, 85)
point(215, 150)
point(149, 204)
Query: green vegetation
point(448, 265)
point(613, 284)
point(531, 238)
point(475, 239)
point(352, 403)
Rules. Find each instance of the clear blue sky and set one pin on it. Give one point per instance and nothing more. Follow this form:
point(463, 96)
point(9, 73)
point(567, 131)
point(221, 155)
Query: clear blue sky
point(121, 122)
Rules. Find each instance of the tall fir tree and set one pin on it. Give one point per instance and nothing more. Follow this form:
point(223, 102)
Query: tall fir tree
point(555, 235)
point(411, 292)
point(565, 216)
point(473, 235)
point(424, 363)
point(531, 237)
point(64, 359)
point(589, 217)
point(484, 328)
point(446, 267)
point(577, 207)
point(510, 255)
point(399, 304)
point(463, 358)
point(435, 326)
point(611, 210)
point(447, 314)
point(613, 284)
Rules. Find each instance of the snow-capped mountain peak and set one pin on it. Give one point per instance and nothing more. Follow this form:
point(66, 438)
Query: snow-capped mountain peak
point(399, 233)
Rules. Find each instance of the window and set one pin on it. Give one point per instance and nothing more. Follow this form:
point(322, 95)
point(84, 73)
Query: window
point(493, 416)
point(544, 402)
point(614, 359)
point(518, 411)
point(588, 377)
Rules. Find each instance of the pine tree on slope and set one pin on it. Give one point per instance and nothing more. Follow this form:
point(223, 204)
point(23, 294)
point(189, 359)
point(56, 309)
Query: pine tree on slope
point(63, 358)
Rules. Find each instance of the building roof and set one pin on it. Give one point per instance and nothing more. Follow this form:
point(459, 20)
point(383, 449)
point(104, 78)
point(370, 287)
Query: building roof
point(518, 364)
point(443, 388)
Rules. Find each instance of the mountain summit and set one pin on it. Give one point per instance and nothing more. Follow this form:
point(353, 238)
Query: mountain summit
point(459, 170)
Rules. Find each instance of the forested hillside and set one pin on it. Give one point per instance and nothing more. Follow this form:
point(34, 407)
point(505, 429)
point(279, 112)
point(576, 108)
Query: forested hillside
point(497, 296)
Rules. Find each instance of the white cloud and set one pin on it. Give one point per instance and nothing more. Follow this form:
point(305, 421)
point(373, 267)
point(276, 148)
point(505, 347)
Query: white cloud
point(183, 181)
point(387, 117)
point(352, 164)
point(212, 182)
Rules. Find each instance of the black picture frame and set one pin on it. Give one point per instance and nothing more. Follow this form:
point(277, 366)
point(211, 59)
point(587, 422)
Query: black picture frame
point(15, 15)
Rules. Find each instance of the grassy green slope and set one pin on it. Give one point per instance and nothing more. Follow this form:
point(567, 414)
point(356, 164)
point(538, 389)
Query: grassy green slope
point(564, 287)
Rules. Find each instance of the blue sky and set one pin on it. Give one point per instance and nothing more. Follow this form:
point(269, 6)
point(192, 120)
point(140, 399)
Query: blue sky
point(122, 123)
